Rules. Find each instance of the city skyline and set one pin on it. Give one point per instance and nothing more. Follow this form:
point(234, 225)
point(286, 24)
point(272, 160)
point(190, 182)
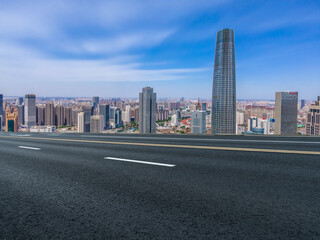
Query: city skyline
point(68, 49)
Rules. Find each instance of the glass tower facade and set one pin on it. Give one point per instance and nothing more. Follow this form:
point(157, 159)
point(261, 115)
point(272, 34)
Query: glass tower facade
point(224, 85)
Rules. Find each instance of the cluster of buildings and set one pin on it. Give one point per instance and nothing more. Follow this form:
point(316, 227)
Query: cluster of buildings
point(220, 115)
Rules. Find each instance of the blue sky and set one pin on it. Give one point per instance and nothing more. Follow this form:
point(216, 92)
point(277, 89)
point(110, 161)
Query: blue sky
point(114, 48)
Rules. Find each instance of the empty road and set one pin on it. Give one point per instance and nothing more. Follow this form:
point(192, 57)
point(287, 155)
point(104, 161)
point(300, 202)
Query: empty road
point(82, 186)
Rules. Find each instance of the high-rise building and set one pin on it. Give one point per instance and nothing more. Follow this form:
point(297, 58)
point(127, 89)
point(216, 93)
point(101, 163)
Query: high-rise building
point(104, 110)
point(42, 116)
point(198, 121)
point(265, 124)
point(127, 115)
point(286, 113)
point(252, 123)
point(224, 85)
point(95, 102)
point(88, 112)
point(59, 115)
point(303, 103)
point(20, 100)
point(1, 104)
point(81, 122)
point(68, 116)
point(147, 110)
point(118, 117)
point(112, 111)
point(96, 124)
point(49, 117)
point(136, 114)
point(313, 119)
point(20, 115)
point(174, 120)
point(1, 111)
point(12, 120)
point(30, 110)
point(204, 106)
point(75, 113)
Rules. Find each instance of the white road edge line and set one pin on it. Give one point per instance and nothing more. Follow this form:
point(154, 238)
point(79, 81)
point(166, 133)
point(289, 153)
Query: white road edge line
point(31, 148)
point(144, 162)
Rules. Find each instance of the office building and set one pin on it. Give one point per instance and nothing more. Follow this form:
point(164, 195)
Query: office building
point(252, 123)
point(20, 115)
point(198, 122)
point(1, 104)
point(302, 103)
point(42, 116)
point(118, 117)
point(20, 100)
point(95, 102)
point(126, 115)
point(12, 120)
point(313, 119)
point(265, 125)
point(81, 122)
point(104, 110)
point(204, 106)
point(59, 115)
point(49, 114)
point(88, 112)
point(286, 113)
point(96, 124)
point(1, 111)
point(30, 110)
point(147, 110)
point(224, 85)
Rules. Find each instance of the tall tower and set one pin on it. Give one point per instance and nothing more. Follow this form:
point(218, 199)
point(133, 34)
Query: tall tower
point(224, 85)
point(147, 110)
point(30, 110)
point(286, 113)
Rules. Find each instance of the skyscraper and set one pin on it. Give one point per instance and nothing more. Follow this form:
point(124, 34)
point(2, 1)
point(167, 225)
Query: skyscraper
point(49, 117)
point(30, 110)
point(147, 110)
point(286, 113)
point(104, 111)
point(95, 102)
point(224, 85)
point(198, 121)
point(313, 119)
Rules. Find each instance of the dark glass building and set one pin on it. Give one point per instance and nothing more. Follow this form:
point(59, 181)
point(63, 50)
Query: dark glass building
point(224, 85)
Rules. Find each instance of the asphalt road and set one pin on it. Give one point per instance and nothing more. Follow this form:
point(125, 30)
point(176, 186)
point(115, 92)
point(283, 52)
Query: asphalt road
point(76, 186)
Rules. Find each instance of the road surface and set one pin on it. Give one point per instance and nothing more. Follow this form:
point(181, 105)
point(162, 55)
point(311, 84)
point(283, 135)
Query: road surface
point(81, 186)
